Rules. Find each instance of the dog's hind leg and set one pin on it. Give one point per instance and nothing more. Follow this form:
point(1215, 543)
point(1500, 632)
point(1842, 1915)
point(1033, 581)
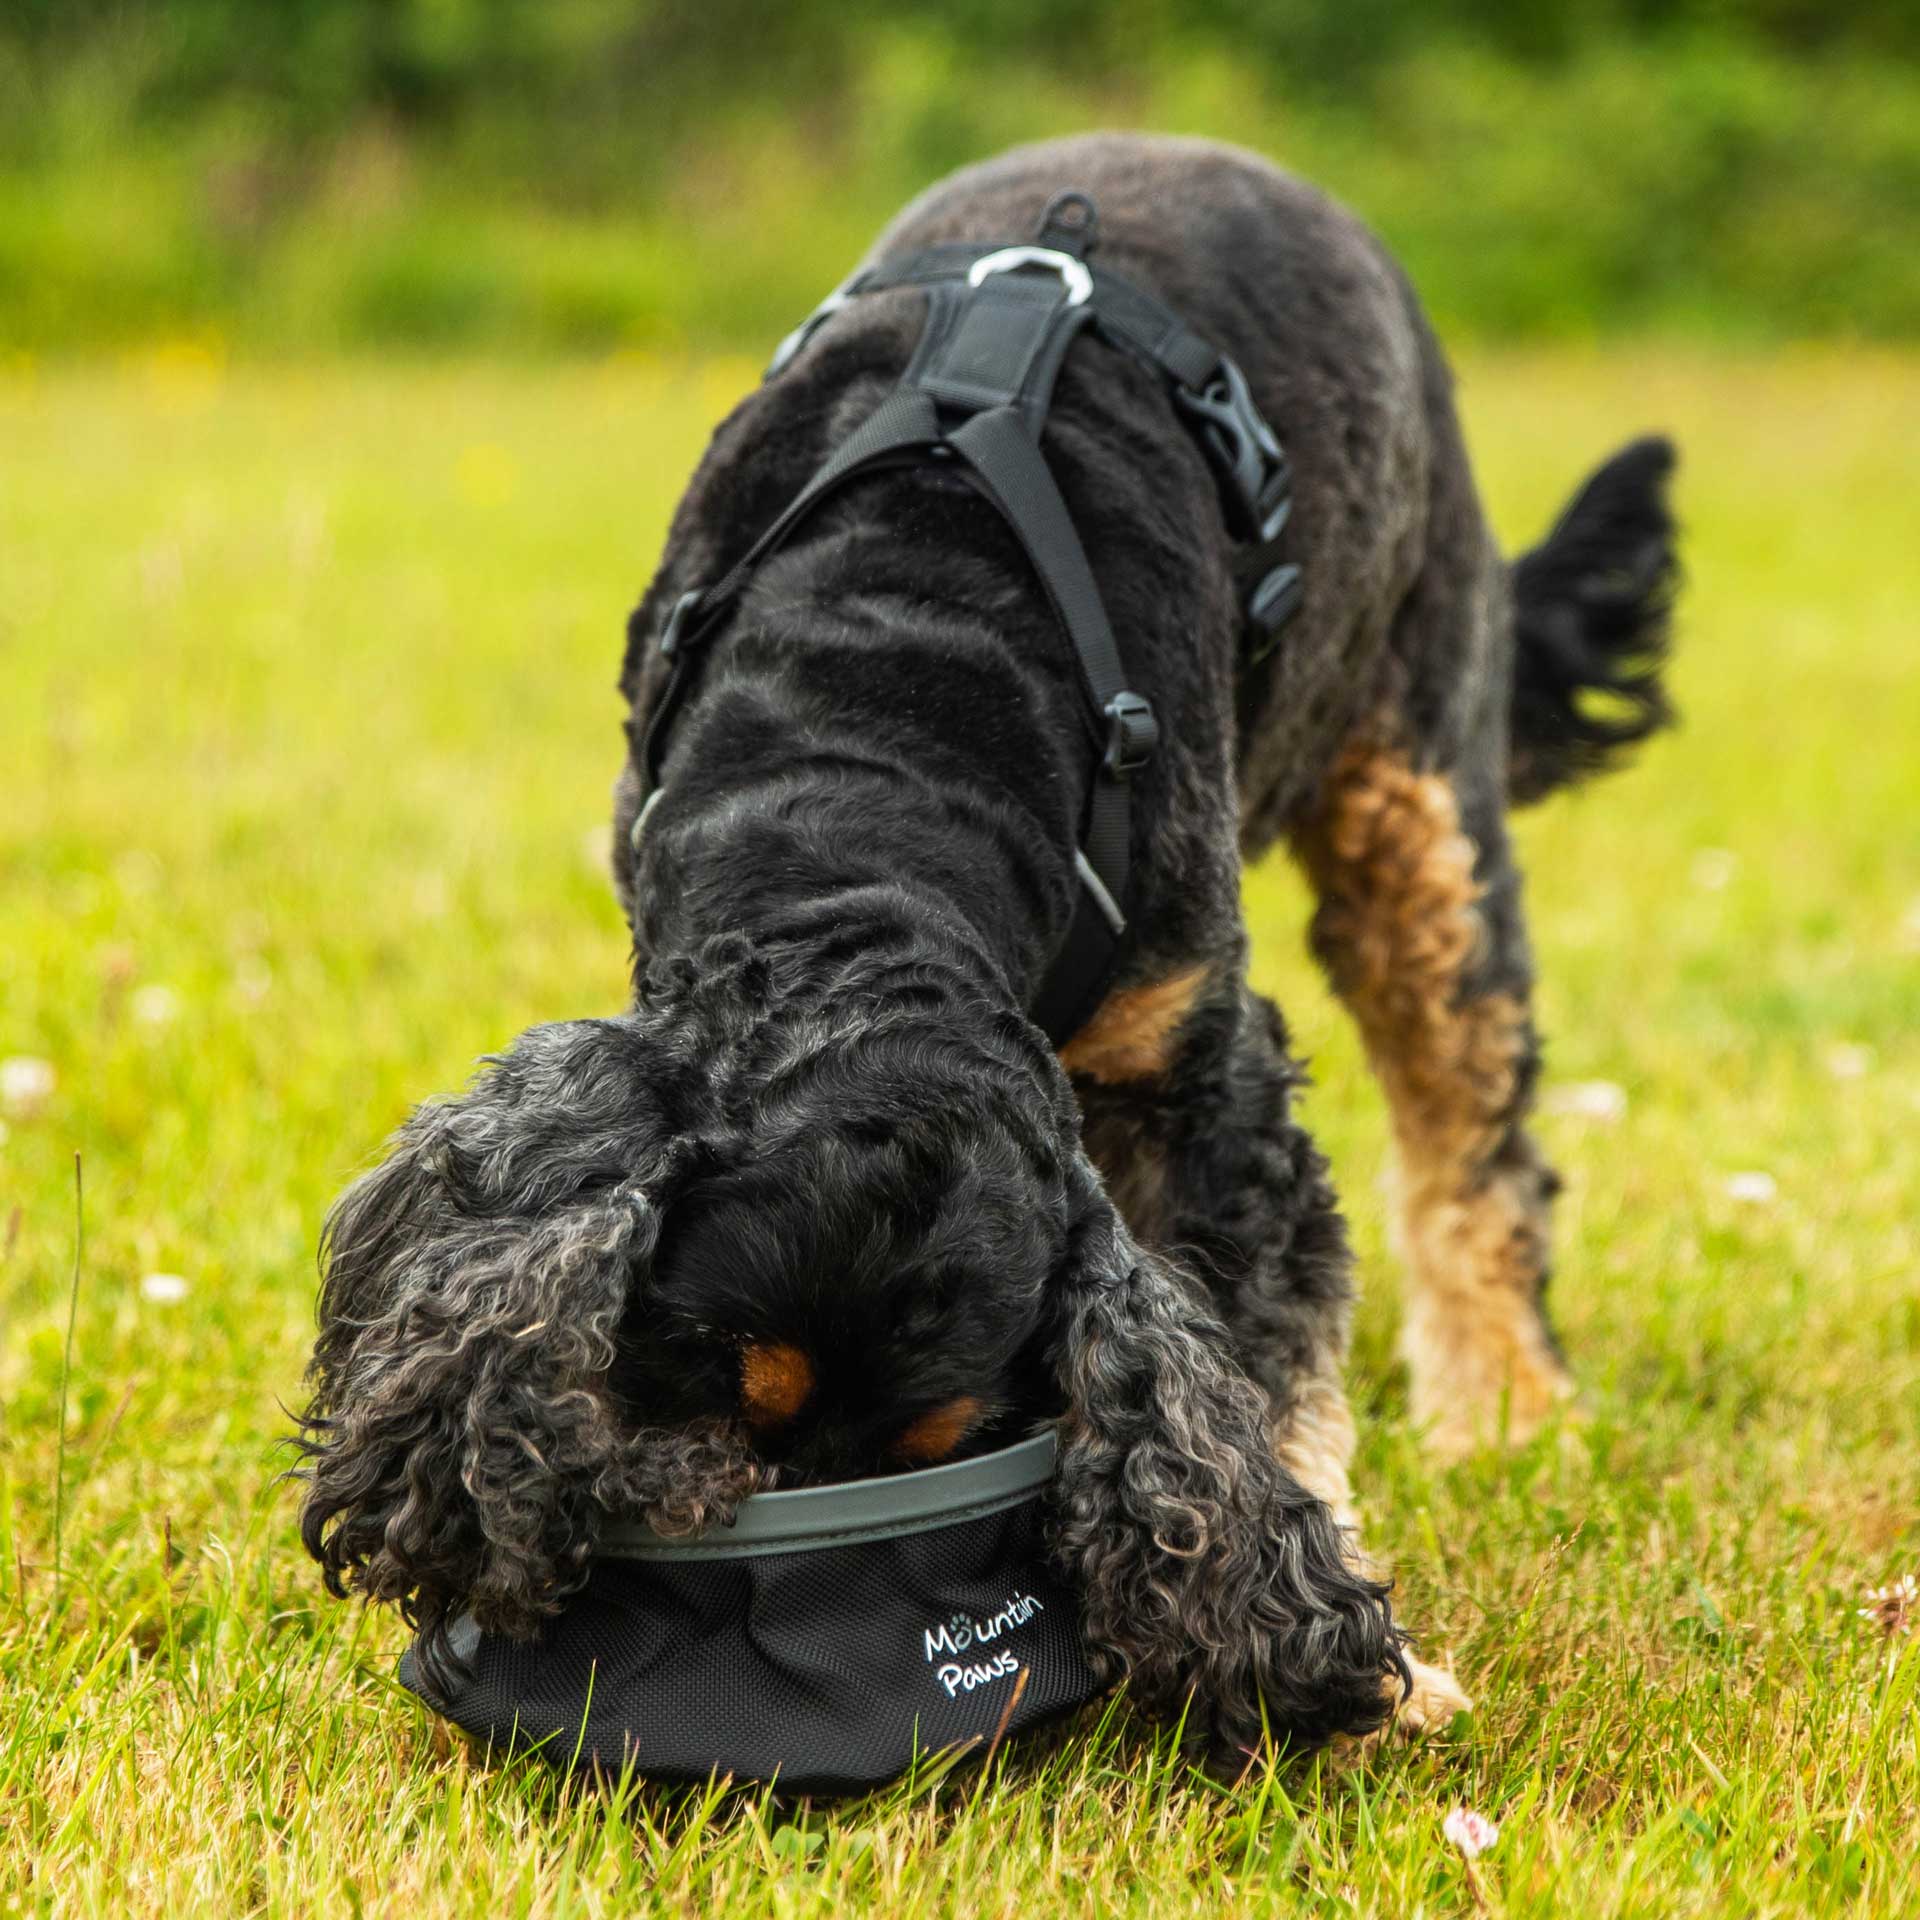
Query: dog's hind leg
point(1419, 928)
point(1197, 1141)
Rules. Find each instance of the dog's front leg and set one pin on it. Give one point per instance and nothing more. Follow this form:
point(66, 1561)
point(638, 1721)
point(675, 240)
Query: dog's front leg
point(1192, 1127)
point(1211, 1579)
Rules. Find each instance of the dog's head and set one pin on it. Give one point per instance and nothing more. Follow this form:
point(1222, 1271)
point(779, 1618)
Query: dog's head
point(747, 1234)
point(869, 1202)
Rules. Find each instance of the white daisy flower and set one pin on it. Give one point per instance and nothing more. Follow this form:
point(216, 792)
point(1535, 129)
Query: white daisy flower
point(155, 1005)
point(26, 1084)
point(1893, 1608)
point(1714, 868)
point(1589, 1099)
point(1473, 1833)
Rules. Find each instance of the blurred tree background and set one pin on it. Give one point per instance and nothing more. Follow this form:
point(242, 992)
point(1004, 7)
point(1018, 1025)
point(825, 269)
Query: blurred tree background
point(587, 174)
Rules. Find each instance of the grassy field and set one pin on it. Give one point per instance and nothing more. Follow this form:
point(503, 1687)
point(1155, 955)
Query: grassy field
point(306, 731)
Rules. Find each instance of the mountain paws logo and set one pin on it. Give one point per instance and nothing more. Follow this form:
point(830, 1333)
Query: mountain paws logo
point(961, 1631)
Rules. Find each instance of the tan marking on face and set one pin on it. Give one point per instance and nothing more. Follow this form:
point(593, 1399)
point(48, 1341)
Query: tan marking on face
point(1131, 1034)
point(1398, 928)
point(932, 1437)
point(775, 1381)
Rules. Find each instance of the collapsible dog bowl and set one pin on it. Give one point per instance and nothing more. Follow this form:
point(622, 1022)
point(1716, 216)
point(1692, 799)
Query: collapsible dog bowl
point(824, 1639)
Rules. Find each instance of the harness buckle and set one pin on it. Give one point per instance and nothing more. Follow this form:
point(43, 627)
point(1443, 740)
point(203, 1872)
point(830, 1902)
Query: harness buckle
point(675, 631)
point(1243, 447)
point(1073, 273)
point(1132, 734)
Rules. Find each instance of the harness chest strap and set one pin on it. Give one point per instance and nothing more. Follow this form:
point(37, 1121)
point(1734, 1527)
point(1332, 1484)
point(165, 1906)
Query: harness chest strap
point(976, 394)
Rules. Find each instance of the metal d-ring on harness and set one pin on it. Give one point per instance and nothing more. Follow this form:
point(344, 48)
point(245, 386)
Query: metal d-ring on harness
point(975, 395)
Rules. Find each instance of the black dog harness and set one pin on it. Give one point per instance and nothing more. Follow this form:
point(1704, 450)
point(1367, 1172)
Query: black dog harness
point(975, 397)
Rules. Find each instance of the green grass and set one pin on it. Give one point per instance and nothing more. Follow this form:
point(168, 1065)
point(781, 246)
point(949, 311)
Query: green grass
point(306, 731)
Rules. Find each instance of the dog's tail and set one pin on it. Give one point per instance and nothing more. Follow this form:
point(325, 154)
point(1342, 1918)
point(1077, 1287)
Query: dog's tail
point(1591, 608)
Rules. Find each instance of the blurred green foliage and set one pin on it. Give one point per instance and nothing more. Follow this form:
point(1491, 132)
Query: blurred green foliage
point(591, 173)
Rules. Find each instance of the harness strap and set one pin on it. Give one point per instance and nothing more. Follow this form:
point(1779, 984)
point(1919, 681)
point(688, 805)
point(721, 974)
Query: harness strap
point(905, 420)
point(1128, 315)
point(1017, 480)
point(997, 344)
point(1003, 461)
point(989, 352)
point(1207, 384)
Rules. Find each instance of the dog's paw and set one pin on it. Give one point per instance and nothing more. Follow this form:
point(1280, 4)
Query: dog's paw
point(1501, 1429)
point(1489, 1395)
point(1428, 1706)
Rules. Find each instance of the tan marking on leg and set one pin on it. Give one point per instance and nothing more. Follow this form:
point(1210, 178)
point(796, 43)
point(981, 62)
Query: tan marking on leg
point(1314, 1441)
point(1130, 1036)
point(1397, 928)
point(1481, 1364)
point(775, 1381)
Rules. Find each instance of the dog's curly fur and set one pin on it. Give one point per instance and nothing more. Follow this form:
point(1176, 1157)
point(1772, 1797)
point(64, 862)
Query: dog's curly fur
point(1209, 1575)
point(827, 1149)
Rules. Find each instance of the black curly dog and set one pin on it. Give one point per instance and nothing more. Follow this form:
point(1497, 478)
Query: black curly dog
point(825, 1202)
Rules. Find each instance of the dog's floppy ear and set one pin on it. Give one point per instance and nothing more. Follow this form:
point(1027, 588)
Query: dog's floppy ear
point(1209, 1577)
point(462, 1444)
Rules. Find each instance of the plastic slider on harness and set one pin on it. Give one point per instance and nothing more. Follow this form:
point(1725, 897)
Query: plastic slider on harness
point(791, 343)
point(1132, 735)
point(1273, 602)
point(686, 608)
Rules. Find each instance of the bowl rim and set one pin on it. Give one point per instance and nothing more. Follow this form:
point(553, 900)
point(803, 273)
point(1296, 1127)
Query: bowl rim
point(851, 1512)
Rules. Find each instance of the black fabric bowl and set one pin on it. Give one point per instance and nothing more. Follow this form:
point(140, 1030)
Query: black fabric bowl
point(825, 1639)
